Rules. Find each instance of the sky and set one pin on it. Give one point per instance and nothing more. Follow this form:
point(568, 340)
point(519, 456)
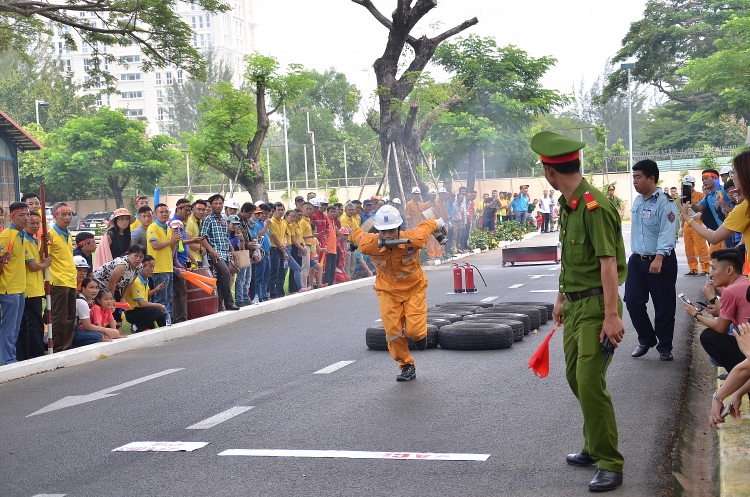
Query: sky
point(319, 34)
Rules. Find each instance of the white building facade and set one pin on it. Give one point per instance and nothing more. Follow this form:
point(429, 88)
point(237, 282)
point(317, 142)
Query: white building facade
point(150, 96)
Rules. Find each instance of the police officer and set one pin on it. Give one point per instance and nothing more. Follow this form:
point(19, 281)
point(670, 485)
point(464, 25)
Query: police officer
point(652, 268)
point(593, 266)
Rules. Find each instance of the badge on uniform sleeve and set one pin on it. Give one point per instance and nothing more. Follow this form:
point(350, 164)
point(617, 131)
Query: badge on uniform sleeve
point(573, 202)
point(590, 200)
point(671, 216)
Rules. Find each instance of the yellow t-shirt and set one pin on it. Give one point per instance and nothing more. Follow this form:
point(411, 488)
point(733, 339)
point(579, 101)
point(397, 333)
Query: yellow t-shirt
point(738, 220)
point(306, 230)
point(194, 230)
point(138, 292)
point(13, 277)
point(34, 279)
point(135, 224)
point(157, 232)
point(349, 222)
point(278, 228)
point(62, 271)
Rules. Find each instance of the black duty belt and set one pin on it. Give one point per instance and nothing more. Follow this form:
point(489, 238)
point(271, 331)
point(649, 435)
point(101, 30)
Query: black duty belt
point(645, 257)
point(572, 297)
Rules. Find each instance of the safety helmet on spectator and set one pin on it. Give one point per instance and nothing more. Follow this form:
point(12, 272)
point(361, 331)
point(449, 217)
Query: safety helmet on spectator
point(688, 179)
point(387, 218)
point(231, 204)
point(416, 190)
point(80, 261)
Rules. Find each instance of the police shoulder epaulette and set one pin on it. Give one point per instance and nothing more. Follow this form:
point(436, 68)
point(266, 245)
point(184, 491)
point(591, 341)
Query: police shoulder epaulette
point(591, 202)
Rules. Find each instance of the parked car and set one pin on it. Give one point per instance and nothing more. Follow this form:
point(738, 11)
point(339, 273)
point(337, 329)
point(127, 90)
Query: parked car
point(95, 220)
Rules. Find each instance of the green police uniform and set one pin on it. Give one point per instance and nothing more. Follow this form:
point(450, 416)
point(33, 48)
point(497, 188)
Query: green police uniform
point(590, 228)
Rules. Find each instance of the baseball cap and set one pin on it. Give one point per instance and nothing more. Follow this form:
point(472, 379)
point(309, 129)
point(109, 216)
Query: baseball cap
point(231, 204)
point(80, 261)
point(298, 198)
point(315, 202)
point(323, 200)
point(367, 202)
point(688, 179)
point(234, 218)
point(726, 170)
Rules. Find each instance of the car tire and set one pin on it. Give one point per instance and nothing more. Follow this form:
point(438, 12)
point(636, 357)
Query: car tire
point(535, 317)
point(475, 336)
point(518, 326)
point(375, 338)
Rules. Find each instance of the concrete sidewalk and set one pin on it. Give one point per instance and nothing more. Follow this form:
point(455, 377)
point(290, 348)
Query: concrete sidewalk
point(734, 454)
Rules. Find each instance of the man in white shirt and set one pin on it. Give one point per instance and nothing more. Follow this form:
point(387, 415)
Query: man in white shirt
point(545, 205)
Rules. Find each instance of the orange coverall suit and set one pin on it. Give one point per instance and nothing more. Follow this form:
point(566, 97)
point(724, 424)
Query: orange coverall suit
point(413, 211)
point(434, 249)
point(696, 248)
point(401, 287)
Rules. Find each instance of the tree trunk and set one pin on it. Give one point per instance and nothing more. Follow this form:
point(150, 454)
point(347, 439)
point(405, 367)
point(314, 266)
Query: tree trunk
point(472, 171)
point(116, 192)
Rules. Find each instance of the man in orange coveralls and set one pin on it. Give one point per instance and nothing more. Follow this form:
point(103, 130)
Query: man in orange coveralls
point(400, 282)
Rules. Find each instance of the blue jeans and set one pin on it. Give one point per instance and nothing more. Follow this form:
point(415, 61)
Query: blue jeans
point(242, 285)
point(262, 277)
point(294, 267)
point(278, 274)
point(11, 313)
point(82, 337)
point(163, 297)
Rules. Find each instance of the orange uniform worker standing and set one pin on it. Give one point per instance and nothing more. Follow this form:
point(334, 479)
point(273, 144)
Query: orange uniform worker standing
point(413, 209)
point(400, 283)
point(696, 248)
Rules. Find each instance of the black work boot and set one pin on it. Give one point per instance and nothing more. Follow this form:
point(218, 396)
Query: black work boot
point(407, 373)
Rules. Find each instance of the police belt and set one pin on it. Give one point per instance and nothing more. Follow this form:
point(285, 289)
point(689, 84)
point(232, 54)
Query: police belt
point(644, 257)
point(572, 297)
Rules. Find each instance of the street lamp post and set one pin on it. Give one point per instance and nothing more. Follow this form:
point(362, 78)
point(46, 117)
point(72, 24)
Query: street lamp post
point(37, 104)
point(286, 149)
point(312, 139)
point(628, 66)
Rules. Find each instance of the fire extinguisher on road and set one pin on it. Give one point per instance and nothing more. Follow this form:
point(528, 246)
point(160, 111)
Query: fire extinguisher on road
point(458, 280)
point(470, 287)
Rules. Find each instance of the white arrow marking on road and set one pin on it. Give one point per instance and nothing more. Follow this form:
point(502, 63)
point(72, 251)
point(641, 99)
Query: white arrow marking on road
point(219, 418)
point(49, 495)
point(488, 299)
point(355, 454)
point(554, 268)
point(537, 276)
point(517, 285)
point(74, 400)
point(333, 367)
point(544, 291)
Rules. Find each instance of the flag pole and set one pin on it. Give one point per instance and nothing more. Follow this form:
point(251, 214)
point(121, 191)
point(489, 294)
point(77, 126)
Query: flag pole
point(44, 252)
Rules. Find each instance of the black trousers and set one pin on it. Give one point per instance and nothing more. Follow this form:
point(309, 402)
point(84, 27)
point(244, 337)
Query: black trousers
point(722, 347)
point(144, 317)
point(545, 221)
point(179, 298)
point(30, 342)
point(332, 260)
point(661, 287)
point(223, 277)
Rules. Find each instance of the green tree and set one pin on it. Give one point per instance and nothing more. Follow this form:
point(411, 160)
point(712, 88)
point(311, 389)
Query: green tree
point(152, 25)
point(504, 94)
point(38, 77)
point(235, 124)
point(106, 152)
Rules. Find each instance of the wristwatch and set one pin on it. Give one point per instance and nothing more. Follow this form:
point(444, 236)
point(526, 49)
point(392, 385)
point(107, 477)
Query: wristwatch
point(712, 301)
point(697, 313)
point(715, 396)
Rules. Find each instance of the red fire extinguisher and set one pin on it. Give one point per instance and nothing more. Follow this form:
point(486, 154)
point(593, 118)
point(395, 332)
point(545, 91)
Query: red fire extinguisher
point(470, 287)
point(458, 281)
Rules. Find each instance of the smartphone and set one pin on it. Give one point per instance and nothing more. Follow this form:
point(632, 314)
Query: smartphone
point(702, 304)
point(727, 409)
point(687, 301)
point(687, 192)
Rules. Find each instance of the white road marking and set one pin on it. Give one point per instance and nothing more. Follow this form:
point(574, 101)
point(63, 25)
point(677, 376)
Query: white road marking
point(517, 285)
point(219, 418)
point(49, 495)
point(544, 291)
point(554, 268)
point(161, 447)
point(355, 454)
point(488, 299)
point(537, 276)
point(333, 367)
point(101, 394)
point(378, 320)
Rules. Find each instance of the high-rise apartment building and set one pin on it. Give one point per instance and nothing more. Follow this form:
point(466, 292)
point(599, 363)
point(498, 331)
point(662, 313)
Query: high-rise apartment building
point(150, 96)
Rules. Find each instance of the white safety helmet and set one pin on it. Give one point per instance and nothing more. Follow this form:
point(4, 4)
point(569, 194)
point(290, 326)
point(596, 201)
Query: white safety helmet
point(386, 199)
point(688, 179)
point(442, 190)
point(387, 218)
point(432, 191)
point(231, 204)
point(314, 202)
point(323, 200)
point(726, 170)
point(80, 261)
point(416, 190)
point(396, 201)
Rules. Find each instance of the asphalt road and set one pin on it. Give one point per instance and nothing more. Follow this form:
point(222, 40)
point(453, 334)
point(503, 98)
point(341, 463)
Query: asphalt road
point(461, 403)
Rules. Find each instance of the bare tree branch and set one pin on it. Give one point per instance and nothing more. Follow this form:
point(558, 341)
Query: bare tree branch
point(453, 31)
point(380, 17)
point(686, 100)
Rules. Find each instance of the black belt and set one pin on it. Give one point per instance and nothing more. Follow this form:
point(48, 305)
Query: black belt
point(645, 257)
point(572, 297)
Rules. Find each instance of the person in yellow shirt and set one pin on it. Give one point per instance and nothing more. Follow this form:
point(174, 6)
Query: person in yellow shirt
point(350, 221)
point(199, 209)
point(12, 280)
point(277, 232)
point(138, 202)
point(144, 315)
point(161, 241)
point(293, 240)
point(308, 238)
point(30, 342)
point(62, 272)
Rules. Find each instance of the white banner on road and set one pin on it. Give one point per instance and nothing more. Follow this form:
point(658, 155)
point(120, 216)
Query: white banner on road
point(161, 447)
point(355, 454)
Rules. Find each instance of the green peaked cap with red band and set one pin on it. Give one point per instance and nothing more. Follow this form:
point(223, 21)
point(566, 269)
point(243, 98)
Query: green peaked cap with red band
point(555, 149)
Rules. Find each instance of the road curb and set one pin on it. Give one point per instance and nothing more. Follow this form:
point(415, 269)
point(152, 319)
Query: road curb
point(154, 337)
point(734, 455)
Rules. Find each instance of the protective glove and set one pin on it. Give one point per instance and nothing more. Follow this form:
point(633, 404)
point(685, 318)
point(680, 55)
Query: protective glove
point(441, 235)
point(351, 246)
point(440, 222)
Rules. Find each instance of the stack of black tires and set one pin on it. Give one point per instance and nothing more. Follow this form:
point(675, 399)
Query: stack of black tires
point(474, 325)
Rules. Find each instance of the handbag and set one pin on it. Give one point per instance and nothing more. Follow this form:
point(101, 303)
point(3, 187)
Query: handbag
point(242, 258)
point(233, 269)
